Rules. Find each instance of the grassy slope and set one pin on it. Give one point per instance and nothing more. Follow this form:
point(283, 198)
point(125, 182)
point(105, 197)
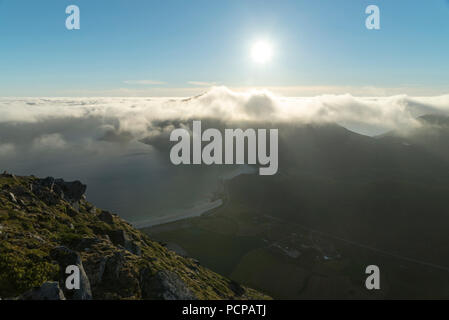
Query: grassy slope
point(30, 228)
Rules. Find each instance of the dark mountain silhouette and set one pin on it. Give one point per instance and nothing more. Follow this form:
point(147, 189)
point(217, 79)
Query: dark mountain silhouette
point(382, 195)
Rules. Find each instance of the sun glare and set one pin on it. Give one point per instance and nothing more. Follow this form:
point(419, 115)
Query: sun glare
point(261, 52)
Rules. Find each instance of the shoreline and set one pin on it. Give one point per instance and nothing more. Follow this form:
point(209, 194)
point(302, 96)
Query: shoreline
point(200, 209)
point(195, 211)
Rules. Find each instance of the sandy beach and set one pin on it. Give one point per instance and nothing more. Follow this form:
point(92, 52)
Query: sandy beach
point(195, 211)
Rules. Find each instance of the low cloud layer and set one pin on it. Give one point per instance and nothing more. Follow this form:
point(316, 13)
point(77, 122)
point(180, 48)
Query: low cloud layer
point(136, 115)
point(97, 140)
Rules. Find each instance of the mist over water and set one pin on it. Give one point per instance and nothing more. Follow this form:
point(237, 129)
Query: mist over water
point(134, 180)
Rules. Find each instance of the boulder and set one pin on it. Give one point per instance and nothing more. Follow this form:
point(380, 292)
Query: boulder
point(71, 192)
point(164, 285)
point(106, 216)
point(95, 271)
point(48, 291)
point(119, 275)
point(72, 212)
point(92, 209)
point(84, 243)
point(121, 238)
point(113, 266)
point(66, 257)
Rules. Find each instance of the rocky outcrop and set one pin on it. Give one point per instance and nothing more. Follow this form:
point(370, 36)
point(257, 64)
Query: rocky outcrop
point(165, 285)
point(66, 257)
point(48, 291)
point(106, 216)
point(72, 192)
point(95, 271)
point(121, 238)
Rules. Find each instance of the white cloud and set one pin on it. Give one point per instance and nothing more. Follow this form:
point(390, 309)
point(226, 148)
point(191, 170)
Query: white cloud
point(96, 139)
point(49, 141)
point(7, 149)
point(136, 115)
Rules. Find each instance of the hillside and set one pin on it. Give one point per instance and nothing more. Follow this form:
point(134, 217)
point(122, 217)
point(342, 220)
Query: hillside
point(340, 202)
point(47, 224)
point(431, 137)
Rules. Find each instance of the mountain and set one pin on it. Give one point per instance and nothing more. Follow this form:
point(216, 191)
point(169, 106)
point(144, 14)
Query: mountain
point(341, 201)
point(47, 224)
point(431, 136)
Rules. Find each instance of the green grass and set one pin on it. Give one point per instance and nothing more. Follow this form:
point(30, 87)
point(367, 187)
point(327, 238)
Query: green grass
point(22, 269)
point(262, 270)
point(219, 252)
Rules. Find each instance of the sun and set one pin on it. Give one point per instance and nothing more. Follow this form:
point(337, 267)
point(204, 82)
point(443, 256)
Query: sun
point(261, 52)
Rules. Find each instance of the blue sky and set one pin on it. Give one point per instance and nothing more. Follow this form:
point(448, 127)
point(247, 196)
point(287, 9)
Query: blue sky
point(171, 48)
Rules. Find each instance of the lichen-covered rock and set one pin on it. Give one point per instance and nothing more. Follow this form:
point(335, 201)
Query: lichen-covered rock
point(66, 257)
point(106, 216)
point(48, 291)
point(165, 285)
point(120, 237)
point(95, 271)
point(52, 190)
